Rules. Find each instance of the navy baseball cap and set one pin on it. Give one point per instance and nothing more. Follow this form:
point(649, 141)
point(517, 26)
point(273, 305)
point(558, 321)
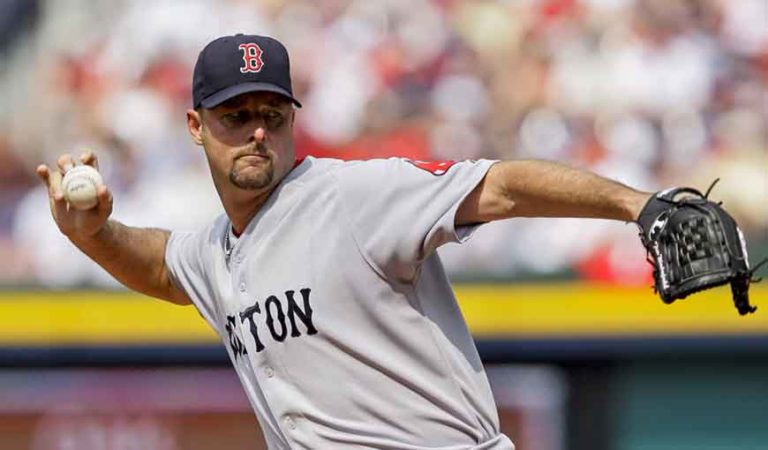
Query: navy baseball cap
point(232, 65)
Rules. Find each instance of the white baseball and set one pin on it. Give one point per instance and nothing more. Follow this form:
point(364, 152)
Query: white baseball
point(79, 185)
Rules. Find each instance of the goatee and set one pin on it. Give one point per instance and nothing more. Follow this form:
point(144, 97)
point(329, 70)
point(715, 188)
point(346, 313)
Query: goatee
point(252, 181)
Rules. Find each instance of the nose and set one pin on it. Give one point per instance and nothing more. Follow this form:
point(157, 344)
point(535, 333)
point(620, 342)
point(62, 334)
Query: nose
point(259, 134)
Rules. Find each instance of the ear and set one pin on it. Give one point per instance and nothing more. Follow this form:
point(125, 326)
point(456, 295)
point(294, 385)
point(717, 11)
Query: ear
point(195, 125)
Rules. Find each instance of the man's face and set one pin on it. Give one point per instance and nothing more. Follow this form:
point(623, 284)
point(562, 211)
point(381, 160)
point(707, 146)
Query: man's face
point(248, 140)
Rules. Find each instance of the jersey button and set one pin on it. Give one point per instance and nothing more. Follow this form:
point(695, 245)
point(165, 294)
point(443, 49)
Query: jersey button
point(290, 423)
point(242, 287)
point(269, 372)
point(239, 258)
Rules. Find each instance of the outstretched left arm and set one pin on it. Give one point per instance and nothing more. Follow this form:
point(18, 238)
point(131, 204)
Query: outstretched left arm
point(534, 188)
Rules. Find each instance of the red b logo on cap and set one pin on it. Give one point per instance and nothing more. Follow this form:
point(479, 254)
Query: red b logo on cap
point(251, 57)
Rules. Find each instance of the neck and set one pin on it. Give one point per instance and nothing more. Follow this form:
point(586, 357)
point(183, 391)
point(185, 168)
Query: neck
point(241, 209)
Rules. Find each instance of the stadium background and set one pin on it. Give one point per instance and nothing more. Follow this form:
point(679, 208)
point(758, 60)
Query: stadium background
point(580, 353)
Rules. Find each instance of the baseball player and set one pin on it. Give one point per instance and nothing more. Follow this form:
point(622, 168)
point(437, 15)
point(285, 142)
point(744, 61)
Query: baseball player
point(322, 278)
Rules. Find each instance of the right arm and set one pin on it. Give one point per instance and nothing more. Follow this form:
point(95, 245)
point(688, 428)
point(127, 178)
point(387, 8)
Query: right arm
point(134, 256)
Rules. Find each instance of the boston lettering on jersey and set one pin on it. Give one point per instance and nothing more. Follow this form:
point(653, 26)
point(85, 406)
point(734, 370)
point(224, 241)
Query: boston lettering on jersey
point(282, 318)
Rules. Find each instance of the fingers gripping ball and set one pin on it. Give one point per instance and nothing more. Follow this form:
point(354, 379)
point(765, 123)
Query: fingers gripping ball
point(80, 185)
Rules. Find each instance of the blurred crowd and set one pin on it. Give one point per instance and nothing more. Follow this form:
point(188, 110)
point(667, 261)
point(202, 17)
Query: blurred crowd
point(652, 93)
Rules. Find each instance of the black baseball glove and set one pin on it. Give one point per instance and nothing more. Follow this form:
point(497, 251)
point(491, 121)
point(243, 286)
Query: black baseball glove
point(693, 244)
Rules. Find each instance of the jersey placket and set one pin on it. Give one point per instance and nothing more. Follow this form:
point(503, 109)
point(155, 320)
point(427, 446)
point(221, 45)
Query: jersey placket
point(266, 374)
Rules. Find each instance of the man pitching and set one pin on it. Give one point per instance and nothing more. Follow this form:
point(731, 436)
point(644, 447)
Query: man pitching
point(322, 277)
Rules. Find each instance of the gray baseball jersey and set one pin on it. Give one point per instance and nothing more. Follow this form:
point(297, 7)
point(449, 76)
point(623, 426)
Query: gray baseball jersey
point(337, 314)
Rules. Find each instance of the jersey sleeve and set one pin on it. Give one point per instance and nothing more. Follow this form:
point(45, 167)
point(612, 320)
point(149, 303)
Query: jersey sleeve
point(186, 266)
point(400, 211)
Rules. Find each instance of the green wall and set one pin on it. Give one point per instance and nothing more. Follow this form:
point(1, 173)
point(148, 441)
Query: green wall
point(690, 405)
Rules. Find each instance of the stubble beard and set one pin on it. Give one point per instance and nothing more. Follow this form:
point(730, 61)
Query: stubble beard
point(253, 179)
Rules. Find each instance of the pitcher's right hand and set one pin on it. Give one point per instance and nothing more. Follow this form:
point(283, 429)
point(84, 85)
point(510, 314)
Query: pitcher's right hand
point(74, 223)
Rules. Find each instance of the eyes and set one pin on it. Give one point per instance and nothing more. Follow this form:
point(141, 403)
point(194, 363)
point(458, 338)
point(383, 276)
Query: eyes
point(272, 118)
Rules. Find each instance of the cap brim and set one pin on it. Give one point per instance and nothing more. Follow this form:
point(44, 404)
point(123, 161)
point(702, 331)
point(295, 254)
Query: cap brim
point(225, 94)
